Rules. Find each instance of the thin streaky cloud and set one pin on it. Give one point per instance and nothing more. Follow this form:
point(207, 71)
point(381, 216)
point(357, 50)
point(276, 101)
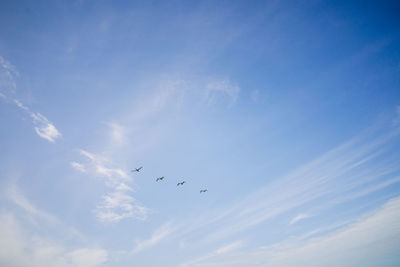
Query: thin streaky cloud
point(8, 73)
point(299, 217)
point(224, 88)
point(158, 236)
point(329, 175)
point(18, 199)
point(22, 246)
point(117, 132)
point(42, 126)
point(225, 249)
point(117, 204)
point(78, 166)
point(35, 214)
point(375, 235)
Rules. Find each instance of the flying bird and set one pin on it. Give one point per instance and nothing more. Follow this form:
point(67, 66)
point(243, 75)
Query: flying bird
point(203, 191)
point(137, 169)
point(181, 183)
point(160, 178)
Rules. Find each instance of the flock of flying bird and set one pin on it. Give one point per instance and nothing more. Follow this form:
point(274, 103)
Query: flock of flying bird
point(162, 178)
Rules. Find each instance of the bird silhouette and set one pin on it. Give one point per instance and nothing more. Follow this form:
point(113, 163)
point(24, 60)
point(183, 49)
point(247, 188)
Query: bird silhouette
point(181, 183)
point(160, 178)
point(137, 169)
point(203, 191)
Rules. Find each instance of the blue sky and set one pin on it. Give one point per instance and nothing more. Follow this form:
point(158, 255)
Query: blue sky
point(287, 112)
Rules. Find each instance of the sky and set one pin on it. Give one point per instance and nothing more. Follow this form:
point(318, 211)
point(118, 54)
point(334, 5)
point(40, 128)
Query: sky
point(287, 112)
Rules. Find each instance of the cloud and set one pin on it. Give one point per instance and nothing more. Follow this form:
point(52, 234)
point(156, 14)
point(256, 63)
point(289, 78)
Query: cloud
point(87, 257)
point(117, 133)
point(372, 241)
point(117, 204)
point(78, 166)
point(19, 247)
point(229, 247)
point(7, 77)
point(17, 198)
point(204, 261)
point(158, 235)
point(23, 242)
point(42, 126)
point(300, 217)
point(219, 88)
point(350, 171)
point(100, 166)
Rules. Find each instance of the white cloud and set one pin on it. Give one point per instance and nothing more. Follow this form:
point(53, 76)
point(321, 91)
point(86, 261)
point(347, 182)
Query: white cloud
point(342, 174)
point(158, 235)
point(229, 247)
point(215, 89)
point(204, 261)
point(117, 204)
point(23, 242)
point(87, 257)
point(17, 198)
point(299, 217)
point(371, 241)
point(97, 165)
point(7, 77)
point(118, 133)
point(19, 247)
point(44, 128)
point(78, 166)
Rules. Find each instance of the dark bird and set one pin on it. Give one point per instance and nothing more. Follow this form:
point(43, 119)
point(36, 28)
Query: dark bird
point(203, 191)
point(181, 183)
point(160, 178)
point(137, 169)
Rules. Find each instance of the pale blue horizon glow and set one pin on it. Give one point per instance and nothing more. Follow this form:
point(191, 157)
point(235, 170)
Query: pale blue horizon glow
point(288, 113)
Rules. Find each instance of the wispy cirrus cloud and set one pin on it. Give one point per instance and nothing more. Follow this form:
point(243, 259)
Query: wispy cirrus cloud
point(300, 217)
point(204, 260)
point(361, 166)
point(158, 235)
point(370, 241)
point(7, 77)
point(222, 88)
point(118, 204)
point(42, 126)
point(78, 166)
point(24, 244)
point(22, 247)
